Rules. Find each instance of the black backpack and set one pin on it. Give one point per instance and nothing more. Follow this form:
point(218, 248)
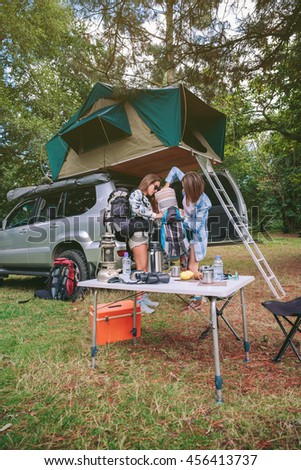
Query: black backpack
point(118, 216)
point(61, 282)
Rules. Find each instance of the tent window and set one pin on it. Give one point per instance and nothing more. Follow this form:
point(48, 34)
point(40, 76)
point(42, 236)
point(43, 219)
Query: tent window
point(91, 140)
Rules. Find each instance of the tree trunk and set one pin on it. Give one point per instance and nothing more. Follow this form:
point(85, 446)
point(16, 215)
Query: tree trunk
point(170, 66)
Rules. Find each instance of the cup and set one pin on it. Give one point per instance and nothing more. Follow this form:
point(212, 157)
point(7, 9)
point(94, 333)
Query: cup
point(175, 271)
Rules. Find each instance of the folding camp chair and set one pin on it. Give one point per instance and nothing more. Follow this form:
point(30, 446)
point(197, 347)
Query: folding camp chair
point(284, 310)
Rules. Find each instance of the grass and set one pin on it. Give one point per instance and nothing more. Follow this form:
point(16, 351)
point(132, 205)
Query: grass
point(160, 393)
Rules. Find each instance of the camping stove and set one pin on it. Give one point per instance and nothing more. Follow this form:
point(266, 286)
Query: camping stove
point(107, 258)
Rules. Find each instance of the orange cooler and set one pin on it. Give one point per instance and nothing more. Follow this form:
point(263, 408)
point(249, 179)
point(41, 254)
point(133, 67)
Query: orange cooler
point(115, 322)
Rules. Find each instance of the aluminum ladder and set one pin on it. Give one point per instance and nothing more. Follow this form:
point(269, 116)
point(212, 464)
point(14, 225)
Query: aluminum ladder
point(241, 227)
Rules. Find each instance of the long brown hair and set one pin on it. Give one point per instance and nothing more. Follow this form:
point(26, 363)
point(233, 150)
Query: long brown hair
point(193, 185)
point(145, 183)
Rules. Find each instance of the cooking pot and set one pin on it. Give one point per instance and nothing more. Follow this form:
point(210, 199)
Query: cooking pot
point(208, 274)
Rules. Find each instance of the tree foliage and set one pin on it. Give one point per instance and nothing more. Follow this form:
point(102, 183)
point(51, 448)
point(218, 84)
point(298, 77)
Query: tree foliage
point(48, 65)
point(265, 83)
point(156, 40)
point(242, 57)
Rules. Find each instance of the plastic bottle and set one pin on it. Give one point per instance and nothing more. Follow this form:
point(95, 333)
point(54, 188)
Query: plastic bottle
point(126, 266)
point(218, 267)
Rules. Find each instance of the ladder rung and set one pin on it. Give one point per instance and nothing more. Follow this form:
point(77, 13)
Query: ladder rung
point(260, 259)
point(271, 277)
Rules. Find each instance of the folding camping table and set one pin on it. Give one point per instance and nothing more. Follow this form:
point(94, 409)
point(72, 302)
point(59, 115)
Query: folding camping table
point(213, 292)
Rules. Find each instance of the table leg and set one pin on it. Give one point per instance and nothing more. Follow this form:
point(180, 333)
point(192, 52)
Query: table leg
point(218, 377)
point(244, 320)
point(135, 319)
point(94, 324)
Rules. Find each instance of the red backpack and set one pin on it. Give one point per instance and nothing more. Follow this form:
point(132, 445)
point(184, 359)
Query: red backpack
point(62, 281)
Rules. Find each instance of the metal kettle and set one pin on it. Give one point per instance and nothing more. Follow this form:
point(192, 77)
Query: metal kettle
point(154, 257)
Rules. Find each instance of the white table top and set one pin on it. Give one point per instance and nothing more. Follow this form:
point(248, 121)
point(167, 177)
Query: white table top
point(176, 286)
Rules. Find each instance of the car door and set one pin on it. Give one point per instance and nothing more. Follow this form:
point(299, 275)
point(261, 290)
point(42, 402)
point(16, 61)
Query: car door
point(47, 230)
point(14, 234)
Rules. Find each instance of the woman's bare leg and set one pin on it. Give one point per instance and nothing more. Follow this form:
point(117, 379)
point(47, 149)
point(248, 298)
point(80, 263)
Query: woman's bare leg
point(193, 265)
point(140, 257)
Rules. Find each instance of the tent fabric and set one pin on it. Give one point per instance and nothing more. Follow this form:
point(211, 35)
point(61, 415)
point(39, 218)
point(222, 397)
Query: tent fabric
point(166, 126)
point(116, 129)
point(100, 90)
point(99, 128)
point(43, 189)
point(211, 124)
point(57, 150)
point(107, 156)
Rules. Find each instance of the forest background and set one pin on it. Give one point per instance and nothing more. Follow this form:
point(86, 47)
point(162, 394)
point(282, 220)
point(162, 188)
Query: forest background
point(242, 57)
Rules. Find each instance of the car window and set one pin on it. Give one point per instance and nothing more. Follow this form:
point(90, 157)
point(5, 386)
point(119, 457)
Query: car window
point(22, 215)
point(49, 207)
point(79, 200)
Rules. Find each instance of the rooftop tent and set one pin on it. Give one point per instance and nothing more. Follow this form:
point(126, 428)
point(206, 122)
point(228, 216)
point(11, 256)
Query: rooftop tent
point(137, 131)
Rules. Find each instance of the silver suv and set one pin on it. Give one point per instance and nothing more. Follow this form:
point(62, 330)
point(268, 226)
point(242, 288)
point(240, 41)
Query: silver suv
point(66, 219)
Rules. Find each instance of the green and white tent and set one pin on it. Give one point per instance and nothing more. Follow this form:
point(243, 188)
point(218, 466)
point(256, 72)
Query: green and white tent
point(137, 131)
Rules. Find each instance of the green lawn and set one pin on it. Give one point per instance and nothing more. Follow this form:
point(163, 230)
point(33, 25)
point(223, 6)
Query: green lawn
point(159, 394)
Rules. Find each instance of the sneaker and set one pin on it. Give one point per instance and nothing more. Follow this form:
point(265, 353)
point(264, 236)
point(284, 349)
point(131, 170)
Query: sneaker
point(144, 307)
point(149, 302)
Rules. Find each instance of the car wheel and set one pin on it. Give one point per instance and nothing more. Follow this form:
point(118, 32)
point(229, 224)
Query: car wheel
point(82, 267)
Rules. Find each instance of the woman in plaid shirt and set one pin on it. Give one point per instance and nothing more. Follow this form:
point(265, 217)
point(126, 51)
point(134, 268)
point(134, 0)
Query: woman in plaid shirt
point(196, 206)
